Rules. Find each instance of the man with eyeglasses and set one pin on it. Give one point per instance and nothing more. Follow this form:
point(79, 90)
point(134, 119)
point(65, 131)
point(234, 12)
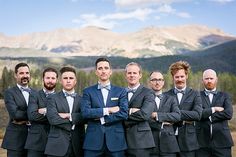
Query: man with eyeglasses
point(165, 114)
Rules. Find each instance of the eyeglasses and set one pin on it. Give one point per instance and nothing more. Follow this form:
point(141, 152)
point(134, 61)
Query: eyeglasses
point(156, 80)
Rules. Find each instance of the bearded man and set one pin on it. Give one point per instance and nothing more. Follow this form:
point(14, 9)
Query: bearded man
point(39, 129)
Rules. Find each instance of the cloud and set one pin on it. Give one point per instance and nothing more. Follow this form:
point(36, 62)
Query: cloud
point(167, 9)
point(135, 3)
point(184, 15)
point(222, 1)
point(109, 21)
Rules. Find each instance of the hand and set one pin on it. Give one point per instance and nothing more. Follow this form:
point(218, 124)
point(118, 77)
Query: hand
point(42, 111)
point(154, 115)
point(64, 115)
point(113, 109)
point(132, 110)
point(219, 109)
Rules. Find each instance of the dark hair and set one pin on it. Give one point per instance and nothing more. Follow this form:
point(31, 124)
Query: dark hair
point(67, 69)
point(49, 69)
point(20, 65)
point(102, 59)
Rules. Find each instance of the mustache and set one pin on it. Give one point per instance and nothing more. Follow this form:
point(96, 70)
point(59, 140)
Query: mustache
point(25, 78)
point(178, 82)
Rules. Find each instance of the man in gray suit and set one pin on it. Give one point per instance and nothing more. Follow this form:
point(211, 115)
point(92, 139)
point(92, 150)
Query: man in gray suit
point(213, 131)
point(165, 115)
point(141, 105)
point(16, 101)
point(38, 131)
point(66, 133)
point(190, 106)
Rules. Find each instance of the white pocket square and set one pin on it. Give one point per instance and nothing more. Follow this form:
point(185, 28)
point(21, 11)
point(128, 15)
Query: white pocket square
point(114, 98)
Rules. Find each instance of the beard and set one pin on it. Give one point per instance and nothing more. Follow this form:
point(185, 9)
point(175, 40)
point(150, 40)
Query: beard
point(49, 86)
point(210, 86)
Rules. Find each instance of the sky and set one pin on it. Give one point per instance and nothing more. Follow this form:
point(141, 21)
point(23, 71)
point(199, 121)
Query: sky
point(19, 17)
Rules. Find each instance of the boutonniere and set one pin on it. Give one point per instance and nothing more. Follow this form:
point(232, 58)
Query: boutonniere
point(112, 99)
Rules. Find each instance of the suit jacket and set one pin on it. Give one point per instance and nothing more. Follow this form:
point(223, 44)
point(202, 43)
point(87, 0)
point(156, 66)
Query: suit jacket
point(168, 112)
point(191, 110)
point(112, 132)
point(16, 134)
point(138, 131)
point(61, 133)
point(38, 131)
point(221, 136)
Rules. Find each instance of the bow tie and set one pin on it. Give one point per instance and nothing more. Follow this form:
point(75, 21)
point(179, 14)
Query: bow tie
point(49, 93)
point(176, 91)
point(210, 92)
point(130, 90)
point(108, 87)
point(73, 95)
point(25, 89)
point(160, 96)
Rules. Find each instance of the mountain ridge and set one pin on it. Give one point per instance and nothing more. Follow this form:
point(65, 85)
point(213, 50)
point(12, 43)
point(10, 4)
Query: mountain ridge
point(147, 42)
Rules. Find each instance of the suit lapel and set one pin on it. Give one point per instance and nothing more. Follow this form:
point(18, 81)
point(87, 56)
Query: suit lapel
point(99, 95)
point(215, 97)
point(162, 102)
point(206, 99)
point(63, 102)
point(76, 103)
point(109, 96)
point(185, 95)
point(138, 91)
point(19, 93)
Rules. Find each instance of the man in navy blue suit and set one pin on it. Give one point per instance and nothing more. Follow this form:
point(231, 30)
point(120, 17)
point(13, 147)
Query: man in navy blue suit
point(105, 107)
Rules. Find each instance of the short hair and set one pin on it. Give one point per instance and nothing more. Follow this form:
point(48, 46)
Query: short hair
point(102, 59)
point(67, 69)
point(157, 71)
point(174, 67)
point(134, 63)
point(50, 69)
point(20, 65)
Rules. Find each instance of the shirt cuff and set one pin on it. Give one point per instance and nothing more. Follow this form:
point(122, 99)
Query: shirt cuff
point(157, 118)
point(102, 120)
point(105, 112)
point(70, 117)
point(213, 110)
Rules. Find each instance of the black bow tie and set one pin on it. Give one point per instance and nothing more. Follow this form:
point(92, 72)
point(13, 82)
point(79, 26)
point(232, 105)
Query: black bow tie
point(73, 95)
point(130, 90)
point(176, 91)
point(160, 96)
point(210, 92)
point(108, 87)
point(25, 89)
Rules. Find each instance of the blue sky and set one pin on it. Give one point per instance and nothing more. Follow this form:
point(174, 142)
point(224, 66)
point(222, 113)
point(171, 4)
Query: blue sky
point(26, 16)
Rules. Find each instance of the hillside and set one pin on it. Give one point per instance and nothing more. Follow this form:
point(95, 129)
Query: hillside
point(95, 41)
point(220, 57)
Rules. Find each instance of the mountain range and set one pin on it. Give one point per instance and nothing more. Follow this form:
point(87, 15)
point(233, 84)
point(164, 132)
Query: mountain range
point(95, 41)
